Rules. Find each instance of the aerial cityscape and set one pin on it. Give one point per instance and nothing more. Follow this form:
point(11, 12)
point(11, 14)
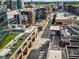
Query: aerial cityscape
point(39, 29)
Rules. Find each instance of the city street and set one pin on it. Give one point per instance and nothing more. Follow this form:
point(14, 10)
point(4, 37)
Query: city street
point(46, 33)
point(42, 51)
point(39, 29)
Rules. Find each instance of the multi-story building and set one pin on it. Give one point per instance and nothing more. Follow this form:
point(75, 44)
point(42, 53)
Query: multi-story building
point(13, 18)
point(14, 4)
point(66, 18)
point(26, 17)
point(3, 16)
point(3, 11)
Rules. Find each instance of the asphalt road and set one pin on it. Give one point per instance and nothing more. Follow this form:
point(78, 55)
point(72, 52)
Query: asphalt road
point(46, 33)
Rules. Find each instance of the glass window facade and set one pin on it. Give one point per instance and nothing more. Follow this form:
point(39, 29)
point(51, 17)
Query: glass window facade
point(3, 13)
point(14, 4)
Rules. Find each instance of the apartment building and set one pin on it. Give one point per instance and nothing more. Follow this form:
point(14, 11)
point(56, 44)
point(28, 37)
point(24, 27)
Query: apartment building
point(14, 4)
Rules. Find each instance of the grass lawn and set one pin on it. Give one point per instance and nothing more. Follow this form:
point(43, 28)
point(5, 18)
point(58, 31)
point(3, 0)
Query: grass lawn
point(7, 38)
